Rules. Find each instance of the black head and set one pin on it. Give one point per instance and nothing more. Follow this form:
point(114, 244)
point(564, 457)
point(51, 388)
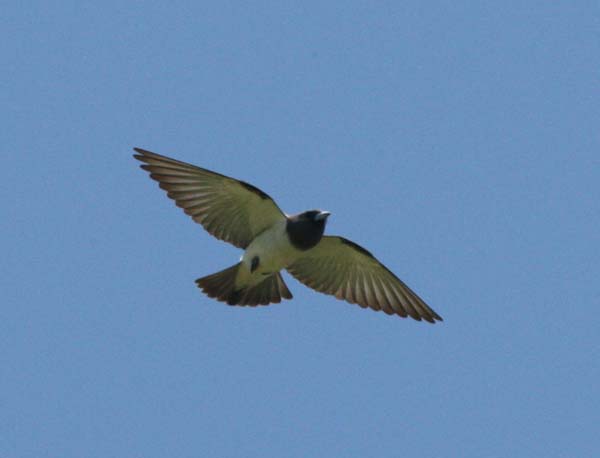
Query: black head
point(306, 229)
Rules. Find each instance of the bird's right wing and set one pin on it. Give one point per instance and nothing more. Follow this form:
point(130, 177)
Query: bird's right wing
point(230, 209)
point(347, 271)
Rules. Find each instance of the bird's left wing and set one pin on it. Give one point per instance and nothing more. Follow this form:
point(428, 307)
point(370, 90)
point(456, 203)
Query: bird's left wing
point(347, 271)
point(230, 209)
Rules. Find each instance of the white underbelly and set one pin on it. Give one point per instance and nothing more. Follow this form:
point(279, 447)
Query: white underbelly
point(273, 250)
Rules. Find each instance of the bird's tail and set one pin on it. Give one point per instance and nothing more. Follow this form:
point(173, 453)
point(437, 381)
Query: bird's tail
point(221, 286)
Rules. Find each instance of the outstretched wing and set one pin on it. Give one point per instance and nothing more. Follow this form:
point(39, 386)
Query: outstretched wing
point(347, 271)
point(230, 209)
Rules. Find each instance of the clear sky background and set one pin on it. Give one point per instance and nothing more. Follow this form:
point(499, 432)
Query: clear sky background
point(458, 141)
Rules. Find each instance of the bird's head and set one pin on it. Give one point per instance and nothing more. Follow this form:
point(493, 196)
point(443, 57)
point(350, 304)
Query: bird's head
point(316, 216)
point(306, 229)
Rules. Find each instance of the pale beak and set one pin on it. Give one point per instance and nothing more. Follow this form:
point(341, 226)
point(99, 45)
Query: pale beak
point(322, 215)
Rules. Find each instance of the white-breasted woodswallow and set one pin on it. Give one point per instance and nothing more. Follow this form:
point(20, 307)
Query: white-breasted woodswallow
point(243, 215)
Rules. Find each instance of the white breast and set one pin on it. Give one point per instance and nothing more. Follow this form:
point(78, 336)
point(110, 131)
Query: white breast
point(273, 249)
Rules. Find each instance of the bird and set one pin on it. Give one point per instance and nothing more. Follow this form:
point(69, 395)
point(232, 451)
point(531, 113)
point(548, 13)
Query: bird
point(238, 212)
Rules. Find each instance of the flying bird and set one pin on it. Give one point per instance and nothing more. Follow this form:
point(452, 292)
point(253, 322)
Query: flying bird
point(243, 215)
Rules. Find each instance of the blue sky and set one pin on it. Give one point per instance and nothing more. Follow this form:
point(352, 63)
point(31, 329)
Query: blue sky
point(459, 142)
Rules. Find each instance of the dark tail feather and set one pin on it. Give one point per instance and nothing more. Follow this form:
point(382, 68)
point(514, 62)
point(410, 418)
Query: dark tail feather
point(271, 290)
point(221, 286)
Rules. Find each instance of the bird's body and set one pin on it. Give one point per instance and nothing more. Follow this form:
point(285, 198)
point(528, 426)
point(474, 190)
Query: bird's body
point(278, 247)
point(271, 251)
point(240, 213)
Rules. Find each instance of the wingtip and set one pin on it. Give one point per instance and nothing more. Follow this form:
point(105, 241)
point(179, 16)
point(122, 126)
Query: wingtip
point(139, 154)
point(434, 318)
point(142, 155)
